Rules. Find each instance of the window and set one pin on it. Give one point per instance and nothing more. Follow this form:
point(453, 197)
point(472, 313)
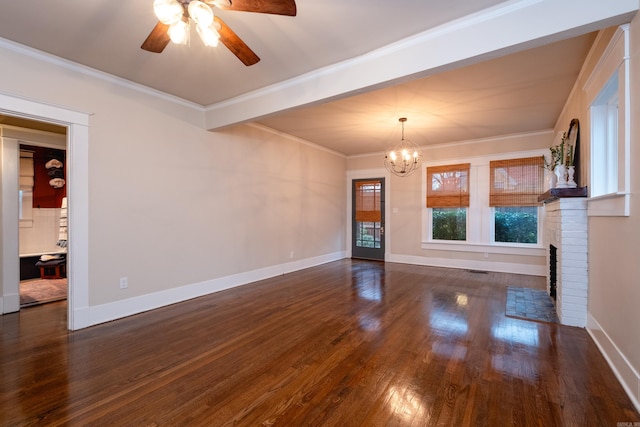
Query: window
point(604, 140)
point(448, 200)
point(516, 224)
point(607, 92)
point(515, 185)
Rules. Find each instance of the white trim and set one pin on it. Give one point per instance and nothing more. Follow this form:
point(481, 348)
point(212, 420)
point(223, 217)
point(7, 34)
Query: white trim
point(464, 143)
point(614, 62)
point(450, 45)
point(479, 214)
point(468, 264)
point(497, 249)
point(77, 124)
point(9, 216)
point(92, 72)
point(130, 306)
point(623, 369)
point(294, 138)
point(616, 204)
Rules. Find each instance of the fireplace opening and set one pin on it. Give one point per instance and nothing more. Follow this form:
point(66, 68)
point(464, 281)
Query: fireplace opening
point(553, 270)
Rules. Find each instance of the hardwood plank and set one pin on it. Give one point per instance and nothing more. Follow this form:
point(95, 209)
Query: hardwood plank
point(347, 343)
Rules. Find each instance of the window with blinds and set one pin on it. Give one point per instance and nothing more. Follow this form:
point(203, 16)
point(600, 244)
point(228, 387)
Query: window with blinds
point(516, 182)
point(515, 185)
point(448, 200)
point(448, 186)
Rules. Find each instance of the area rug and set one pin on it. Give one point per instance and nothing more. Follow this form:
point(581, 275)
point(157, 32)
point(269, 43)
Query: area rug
point(40, 291)
point(530, 304)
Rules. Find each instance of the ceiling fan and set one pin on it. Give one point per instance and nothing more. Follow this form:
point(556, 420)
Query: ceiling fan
point(174, 17)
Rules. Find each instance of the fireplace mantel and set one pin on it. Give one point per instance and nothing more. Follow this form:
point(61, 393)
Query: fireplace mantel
point(557, 193)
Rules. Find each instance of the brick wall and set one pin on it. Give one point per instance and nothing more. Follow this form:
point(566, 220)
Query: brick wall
point(566, 228)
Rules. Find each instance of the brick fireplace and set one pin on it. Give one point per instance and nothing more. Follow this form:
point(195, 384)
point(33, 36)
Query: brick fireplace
point(566, 239)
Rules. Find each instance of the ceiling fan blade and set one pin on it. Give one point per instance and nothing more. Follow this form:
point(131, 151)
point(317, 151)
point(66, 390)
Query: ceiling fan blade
point(275, 7)
point(235, 44)
point(158, 39)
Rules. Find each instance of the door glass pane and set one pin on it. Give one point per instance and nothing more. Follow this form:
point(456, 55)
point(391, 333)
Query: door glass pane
point(368, 214)
point(368, 235)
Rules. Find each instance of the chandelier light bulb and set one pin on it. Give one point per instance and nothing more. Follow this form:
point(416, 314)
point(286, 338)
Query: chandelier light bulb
point(201, 13)
point(168, 11)
point(179, 32)
point(209, 35)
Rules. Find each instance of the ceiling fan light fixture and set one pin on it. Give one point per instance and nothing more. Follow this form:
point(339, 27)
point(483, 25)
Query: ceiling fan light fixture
point(404, 158)
point(219, 3)
point(168, 11)
point(179, 32)
point(201, 13)
point(208, 35)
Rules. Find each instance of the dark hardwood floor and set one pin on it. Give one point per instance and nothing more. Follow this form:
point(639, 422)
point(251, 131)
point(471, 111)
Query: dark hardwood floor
point(349, 343)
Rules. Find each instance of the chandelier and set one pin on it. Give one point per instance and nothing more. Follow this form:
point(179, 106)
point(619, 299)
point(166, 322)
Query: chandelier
point(404, 158)
point(177, 14)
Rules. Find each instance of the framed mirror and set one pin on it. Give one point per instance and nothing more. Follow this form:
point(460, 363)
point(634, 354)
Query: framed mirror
point(573, 138)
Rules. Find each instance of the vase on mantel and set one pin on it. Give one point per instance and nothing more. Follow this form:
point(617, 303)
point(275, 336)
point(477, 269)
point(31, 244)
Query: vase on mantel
point(552, 179)
point(571, 183)
point(561, 174)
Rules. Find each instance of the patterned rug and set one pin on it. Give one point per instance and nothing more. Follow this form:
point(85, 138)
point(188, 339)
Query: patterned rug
point(530, 304)
point(40, 291)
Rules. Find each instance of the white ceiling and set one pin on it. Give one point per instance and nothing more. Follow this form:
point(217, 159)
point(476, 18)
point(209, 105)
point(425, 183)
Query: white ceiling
point(520, 92)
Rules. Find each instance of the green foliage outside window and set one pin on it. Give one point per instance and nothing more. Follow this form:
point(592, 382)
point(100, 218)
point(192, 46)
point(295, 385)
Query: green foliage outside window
point(516, 224)
point(449, 223)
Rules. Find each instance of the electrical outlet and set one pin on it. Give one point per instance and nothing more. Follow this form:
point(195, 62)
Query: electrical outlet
point(291, 254)
point(124, 283)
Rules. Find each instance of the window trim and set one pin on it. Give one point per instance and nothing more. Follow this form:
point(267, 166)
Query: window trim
point(615, 60)
point(539, 232)
point(480, 231)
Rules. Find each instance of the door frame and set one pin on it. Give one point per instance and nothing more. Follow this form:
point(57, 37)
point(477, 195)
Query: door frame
point(366, 174)
point(77, 124)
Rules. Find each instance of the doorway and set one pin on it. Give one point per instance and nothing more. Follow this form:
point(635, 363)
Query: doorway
point(368, 219)
point(42, 214)
point(77, 136)
point(41, 202)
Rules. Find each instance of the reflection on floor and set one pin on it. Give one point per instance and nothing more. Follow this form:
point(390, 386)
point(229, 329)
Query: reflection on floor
point(41, 291)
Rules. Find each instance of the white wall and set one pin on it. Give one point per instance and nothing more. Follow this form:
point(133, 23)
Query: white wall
point(41, 237)
point(176, 209)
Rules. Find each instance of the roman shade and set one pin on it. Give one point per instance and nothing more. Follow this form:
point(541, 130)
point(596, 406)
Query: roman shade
point(516, 182)
point(448, 186)
point(367, 201)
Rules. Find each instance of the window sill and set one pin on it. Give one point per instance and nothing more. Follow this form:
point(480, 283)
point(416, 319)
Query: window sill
point(614, 204)
point(504, 249)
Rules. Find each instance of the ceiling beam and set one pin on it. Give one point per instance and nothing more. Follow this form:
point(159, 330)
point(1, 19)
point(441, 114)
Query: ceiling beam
point(510, 27)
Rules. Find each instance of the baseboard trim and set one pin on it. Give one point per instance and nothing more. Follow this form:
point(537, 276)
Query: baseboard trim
point(90, 316)
point(502, 267)
point(622, 369)
point(10, 303)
